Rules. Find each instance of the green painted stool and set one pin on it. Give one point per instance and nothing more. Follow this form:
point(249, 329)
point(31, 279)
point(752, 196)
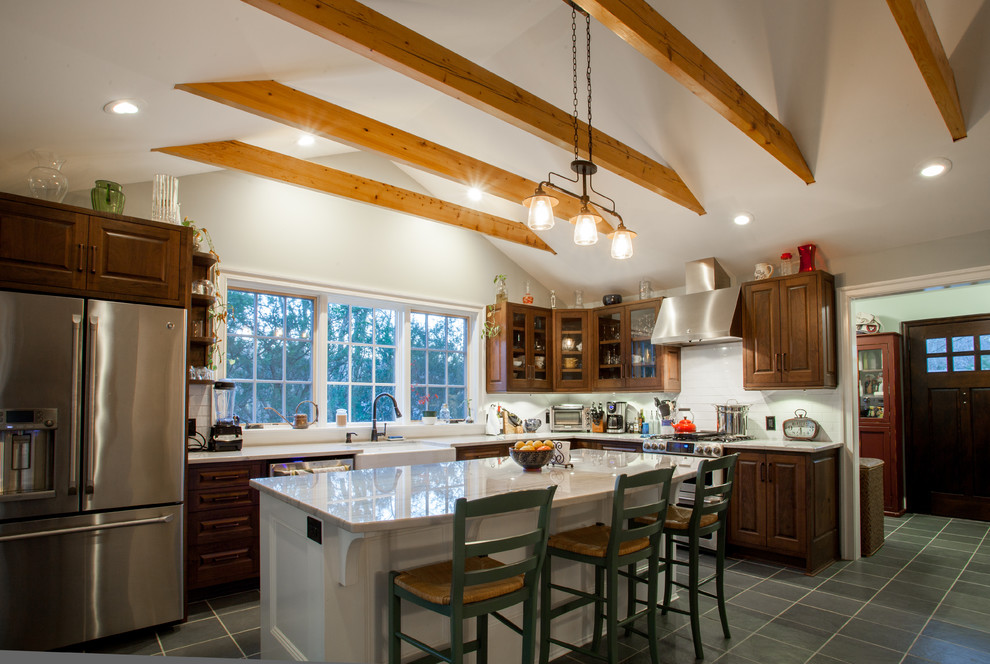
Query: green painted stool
point(610, 549)
point(472, 585)
point(709, 515)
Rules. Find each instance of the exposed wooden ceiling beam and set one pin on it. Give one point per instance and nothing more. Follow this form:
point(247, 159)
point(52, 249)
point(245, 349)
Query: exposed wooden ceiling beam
point(274, 101)
point(246, 158)
point(358, 28)
point(919, 32)
point(651, 34)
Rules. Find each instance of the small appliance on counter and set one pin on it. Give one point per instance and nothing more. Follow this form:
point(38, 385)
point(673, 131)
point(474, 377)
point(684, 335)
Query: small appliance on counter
point(226, 435)
point(567, 417)
point(618, 414)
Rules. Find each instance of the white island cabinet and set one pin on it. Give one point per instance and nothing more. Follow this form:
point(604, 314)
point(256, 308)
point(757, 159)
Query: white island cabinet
point(328, 542)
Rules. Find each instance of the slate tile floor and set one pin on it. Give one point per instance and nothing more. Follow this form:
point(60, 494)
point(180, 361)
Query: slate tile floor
point(923, 598)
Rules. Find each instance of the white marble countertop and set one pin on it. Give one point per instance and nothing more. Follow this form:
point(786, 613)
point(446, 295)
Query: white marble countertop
point(317, 449)
point(383, 499)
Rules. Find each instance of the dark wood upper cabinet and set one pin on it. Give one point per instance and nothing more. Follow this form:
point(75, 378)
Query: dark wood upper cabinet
point(789, 332)
point(625, 357)
point(572, 348)
point(519, 357)
point(64, 249)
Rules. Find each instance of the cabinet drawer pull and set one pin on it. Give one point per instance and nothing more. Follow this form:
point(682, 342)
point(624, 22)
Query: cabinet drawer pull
point(82, 258)
point(217, 477)
point(783, 361)
point(763, 472)
point(225, 523)
point(224, 498)
point(226, 556)
point(771, 472)
point(92, 265)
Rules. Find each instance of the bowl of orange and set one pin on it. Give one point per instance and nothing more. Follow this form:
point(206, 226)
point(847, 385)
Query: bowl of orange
point(532, 455)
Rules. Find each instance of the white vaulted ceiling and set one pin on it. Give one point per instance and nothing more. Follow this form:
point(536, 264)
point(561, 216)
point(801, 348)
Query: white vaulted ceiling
point(836, 73)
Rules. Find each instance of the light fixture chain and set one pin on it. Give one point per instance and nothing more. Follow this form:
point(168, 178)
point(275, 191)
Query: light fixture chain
point(588, 30)
point(574, 76)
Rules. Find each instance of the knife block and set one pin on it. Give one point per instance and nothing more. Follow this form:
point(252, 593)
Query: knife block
point(508, 427)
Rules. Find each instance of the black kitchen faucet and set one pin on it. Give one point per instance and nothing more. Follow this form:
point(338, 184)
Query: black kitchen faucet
point(374, 415)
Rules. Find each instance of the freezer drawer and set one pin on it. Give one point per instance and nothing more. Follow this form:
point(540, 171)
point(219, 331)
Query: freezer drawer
point(79, 578)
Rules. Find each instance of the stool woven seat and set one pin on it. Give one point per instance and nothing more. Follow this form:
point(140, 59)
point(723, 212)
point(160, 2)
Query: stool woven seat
point(593, 541)
point(679, 518)
point(432, 582)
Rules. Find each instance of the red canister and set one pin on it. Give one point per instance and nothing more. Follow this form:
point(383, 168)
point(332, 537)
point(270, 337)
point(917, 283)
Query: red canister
point(807, 252)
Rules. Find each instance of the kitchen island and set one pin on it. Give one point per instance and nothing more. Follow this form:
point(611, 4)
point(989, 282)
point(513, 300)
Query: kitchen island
point(329, 540)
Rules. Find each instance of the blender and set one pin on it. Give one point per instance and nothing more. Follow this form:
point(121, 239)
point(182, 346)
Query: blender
point(226, 435)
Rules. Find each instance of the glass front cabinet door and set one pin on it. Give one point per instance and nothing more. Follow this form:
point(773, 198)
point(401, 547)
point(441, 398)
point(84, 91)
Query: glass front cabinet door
point(871, 383)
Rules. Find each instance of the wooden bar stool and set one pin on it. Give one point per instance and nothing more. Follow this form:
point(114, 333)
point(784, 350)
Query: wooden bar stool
point(610, 548)
point(708, 515)
point(472, 585)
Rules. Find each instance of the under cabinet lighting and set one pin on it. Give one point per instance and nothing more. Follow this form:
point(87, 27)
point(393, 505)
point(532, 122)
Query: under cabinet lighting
point(122, 107)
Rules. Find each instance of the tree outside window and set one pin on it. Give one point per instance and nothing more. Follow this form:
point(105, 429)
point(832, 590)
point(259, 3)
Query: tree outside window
point(438, 360)
point(269, 353)
point(361, 350)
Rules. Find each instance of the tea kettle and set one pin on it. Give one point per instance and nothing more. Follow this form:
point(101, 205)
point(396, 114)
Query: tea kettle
point(685, 425)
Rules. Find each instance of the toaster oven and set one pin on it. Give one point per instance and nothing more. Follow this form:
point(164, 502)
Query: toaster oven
point(568, 417)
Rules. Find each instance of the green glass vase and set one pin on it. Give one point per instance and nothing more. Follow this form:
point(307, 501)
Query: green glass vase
point(107, 196)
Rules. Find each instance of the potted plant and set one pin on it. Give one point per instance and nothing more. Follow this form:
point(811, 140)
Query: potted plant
point(429, 415)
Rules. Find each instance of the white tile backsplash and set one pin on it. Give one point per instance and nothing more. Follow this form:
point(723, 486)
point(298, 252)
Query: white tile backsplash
point(201, 407)
point(710, 374)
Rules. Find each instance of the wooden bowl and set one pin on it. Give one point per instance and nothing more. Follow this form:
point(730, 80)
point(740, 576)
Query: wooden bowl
point(532, 460)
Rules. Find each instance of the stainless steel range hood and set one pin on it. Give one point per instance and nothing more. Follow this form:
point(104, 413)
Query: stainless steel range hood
point(710, 311)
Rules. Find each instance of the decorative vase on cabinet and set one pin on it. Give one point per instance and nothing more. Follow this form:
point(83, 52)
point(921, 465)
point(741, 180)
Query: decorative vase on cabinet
point(46, 180)
point(109, 196)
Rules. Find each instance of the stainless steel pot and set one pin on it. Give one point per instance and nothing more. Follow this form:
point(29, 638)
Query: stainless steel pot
point(731, 418)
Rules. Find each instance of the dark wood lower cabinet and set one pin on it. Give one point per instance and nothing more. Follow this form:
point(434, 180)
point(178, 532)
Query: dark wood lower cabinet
point(785, 508)
point(483, 451)
point(222, 514)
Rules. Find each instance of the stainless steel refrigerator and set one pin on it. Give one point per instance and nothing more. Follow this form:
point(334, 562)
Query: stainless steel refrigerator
point(92, 453)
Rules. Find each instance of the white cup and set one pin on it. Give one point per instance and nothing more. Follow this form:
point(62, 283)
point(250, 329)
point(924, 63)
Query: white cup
point(562, 452)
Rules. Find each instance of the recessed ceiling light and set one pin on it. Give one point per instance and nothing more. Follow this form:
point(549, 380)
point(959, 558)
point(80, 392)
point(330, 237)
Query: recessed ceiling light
point(305, 139)
point(122, 107)
point(936, 167)
point(474, 193)
point(742, 218)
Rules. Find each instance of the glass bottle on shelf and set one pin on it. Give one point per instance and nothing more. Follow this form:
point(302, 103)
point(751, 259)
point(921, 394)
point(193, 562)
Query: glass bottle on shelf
point(553, 299)
point(527, 298)
point(787, 264)
point(444, 415)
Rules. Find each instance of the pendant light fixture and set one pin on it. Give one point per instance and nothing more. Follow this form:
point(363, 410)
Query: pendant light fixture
point(541, 203)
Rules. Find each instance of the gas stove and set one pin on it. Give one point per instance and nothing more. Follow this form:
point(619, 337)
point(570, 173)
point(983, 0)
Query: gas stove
point(697, 444)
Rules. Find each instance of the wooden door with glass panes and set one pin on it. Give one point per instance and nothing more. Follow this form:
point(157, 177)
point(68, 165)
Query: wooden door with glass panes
point(610, 348)
point(572, 345)
point(643, 360)
point(529, 336)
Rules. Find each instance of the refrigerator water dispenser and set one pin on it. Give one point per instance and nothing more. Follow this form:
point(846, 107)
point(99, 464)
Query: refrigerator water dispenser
point(27, 440)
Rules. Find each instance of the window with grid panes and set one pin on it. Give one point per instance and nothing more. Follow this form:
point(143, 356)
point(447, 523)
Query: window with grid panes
point(361, 351)
point(270, 354)
point(438, 359)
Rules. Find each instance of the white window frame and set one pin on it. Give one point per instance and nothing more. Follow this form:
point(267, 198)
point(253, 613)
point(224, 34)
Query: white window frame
point(403, 306)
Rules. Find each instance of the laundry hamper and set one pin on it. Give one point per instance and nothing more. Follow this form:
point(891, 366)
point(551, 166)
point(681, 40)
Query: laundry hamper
point(870, 506)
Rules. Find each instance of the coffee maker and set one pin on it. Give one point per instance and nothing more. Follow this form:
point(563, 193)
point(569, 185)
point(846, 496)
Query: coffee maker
point(615, 417)
point(226, 435)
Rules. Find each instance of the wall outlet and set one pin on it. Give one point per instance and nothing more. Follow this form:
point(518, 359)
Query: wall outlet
point(771, 423)
point(191, 426)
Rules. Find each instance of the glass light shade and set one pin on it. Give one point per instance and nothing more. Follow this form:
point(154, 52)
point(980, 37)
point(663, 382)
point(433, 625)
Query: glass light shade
point(540, 211)
point(585, 228)
point(622, 246)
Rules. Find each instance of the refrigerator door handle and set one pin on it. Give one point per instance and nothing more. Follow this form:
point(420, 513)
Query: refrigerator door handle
point(74, 414)
point(94, 329)
point(166, 518)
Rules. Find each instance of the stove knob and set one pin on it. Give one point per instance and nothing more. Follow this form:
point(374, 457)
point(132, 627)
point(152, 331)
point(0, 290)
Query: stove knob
point(705, 449)
point(648, 446)
point(662, 446)
point(716, 450)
